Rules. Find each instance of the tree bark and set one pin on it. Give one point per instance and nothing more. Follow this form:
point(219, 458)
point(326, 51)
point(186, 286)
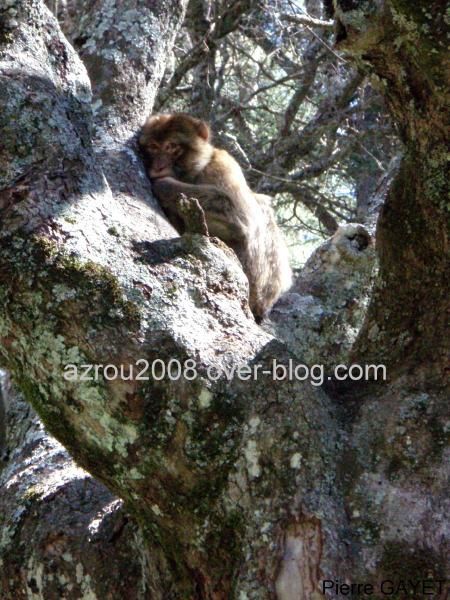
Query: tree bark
point(239, 488)
point(60, 527)
point(404, 45)
point(396, 492)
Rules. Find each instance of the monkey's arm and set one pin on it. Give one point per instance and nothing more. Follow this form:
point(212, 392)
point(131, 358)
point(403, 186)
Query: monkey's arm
point(220, 212)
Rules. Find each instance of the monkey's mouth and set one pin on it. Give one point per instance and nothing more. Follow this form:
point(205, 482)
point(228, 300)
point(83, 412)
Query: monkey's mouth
point(161, 174)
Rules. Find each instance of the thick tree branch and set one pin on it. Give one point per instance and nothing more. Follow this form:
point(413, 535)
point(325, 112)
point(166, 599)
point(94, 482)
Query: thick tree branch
point(240, 487)
point(125, 50)
point(88, 276)
point(60, 520)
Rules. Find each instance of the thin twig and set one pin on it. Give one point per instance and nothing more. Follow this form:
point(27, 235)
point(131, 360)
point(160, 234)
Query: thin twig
point(308, 20)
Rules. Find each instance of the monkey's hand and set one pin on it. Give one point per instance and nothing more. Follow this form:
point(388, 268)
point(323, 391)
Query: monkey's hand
point(169, 189)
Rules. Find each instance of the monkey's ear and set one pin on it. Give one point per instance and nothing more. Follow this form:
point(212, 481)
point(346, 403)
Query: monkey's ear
point(203, 130)
point(146, 128)
point(154, 119)
point(160, 119)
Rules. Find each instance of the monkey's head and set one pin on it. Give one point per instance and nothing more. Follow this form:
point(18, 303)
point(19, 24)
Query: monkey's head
point(175, 144)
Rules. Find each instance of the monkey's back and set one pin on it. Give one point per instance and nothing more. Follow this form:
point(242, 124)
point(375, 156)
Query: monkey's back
point(264, 255)
point(275, 275)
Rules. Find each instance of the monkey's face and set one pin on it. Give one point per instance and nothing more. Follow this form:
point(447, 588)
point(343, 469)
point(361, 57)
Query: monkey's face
point(175, 145)
point(163, 157)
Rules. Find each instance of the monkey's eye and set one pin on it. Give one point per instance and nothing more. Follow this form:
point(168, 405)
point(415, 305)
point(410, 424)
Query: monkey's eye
point(172, 148)
point(153, 148)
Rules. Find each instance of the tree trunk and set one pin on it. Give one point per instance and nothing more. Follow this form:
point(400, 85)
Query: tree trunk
point(404, 45)
point(238, 488)
point(396, 493)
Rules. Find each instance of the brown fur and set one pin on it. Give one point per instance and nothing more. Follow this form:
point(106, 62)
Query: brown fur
point(182, 161)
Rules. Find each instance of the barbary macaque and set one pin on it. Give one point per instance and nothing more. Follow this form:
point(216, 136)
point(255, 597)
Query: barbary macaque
point(182, 161)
